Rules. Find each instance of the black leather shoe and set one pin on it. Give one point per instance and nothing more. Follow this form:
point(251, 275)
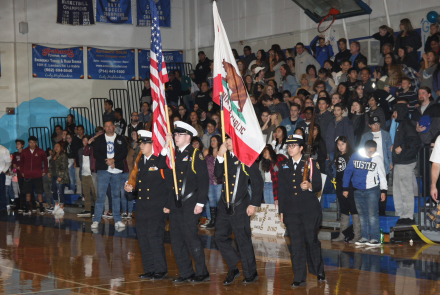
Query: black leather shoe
point(200, 279)
point(298, 284)
point(251, 279)
point(230, 278)
point(321, 277)
point(148, 275)
point(159, 275)
point(182, 279)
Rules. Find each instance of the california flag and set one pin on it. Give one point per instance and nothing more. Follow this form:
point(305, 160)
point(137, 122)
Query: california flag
point(241, 123)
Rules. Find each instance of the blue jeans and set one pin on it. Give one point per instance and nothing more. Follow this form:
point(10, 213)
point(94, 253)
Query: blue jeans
point(115, 180)
point(57, 190)
point(214, 194)
point(367, 205)
point(268, 193)
point(9, 194)
point(72, 178)
point(124, 201)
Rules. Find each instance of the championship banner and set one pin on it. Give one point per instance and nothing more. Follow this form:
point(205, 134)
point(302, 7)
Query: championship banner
point(144, 61)
point(76, 13)
point(105, 64)
point(114, 12)
point(57, 63)
point(163, 11)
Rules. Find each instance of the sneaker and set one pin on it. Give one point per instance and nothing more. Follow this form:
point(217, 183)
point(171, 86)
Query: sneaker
point(95, 225)
point(9, 207)
point(57, 207)
point(20, 210)
point(119, 224)
point(206, 223)
point(84, 214)
point(362, 241)
point(27, 212)
point(42, 211)
point(373, 243)
point(50, 209)
point(128, 216)
point(124, 215)
point(108, 215)
point(34, 210)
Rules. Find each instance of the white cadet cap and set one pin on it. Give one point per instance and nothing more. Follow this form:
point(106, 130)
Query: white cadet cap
point(182, 127)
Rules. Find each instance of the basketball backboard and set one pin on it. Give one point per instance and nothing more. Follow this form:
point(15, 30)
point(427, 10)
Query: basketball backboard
point(317, 9)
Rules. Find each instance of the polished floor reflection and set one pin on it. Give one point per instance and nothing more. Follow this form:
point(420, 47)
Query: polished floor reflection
point(44, 255)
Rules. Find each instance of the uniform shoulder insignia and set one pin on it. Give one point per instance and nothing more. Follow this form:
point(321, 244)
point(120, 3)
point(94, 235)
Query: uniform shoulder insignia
point(201, 157)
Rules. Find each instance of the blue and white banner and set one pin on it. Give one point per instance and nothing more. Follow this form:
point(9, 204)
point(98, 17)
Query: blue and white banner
point(163, 11)
point(105, 64)
point(77, 13)
point(57, 63)
point(114, 11)
point(144, 61)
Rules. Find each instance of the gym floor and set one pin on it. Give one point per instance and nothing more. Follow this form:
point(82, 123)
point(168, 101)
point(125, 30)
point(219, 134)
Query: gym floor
point(44, 255)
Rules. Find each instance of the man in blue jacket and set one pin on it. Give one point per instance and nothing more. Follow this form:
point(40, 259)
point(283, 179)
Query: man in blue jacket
point(322, 52)
point(291, 122)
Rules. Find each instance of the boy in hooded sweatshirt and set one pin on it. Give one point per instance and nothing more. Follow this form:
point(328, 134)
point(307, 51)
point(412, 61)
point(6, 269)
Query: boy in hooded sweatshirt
point(366, 171)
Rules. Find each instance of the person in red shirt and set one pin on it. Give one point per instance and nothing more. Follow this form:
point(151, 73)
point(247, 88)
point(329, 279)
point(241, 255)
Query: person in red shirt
point(33, 168)
point(16, 163)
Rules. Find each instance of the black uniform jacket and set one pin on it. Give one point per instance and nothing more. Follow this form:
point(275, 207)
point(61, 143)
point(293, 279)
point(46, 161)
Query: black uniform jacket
point(190, 166)
point(241, 187)
point(291, 198)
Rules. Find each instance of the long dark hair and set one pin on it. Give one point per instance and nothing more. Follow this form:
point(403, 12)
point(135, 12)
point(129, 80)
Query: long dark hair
point(348, 151)
point(283, 140)
point(266, 164)
point(61, 148)
point(288, 71)
point(303, 134)
point(315, 145)
point(219, 141)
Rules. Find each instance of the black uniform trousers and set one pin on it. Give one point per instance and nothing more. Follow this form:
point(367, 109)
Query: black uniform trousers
point(240, 224)
point(304, 244)
point(150, 230)
point(185, 240)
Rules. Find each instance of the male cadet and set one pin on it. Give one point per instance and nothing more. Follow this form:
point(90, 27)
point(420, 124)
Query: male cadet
point(239, 222)
point(152, 188)
point(192, 183)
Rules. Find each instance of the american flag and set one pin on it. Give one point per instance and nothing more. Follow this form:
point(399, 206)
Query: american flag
point(158, 77)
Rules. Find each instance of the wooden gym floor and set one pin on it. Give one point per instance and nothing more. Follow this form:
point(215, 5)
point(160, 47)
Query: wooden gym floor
point(42, 255)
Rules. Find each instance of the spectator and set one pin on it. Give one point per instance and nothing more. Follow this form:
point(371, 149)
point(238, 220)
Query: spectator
point(126, 204)
point(352, 79)
point(319, 150)
point(345, 92)
point(403, 58)
point(342, 76)
point(57, 135)
point(188, 100)
point(302, 60)
point(183, 116)
point(210, 132)
point(367, 174)
point(135, 125)
point(196, 143)
point(405, 149)
point(408, 38)
point(203, 119)
point(323, 52)
point(290, 61)
point(202, 99)
point(343, 54)
point(194, 121)
point(109, 150)
point(305, 124)
point(87, 164)
point(288, 80)
point(70, 123)
point(249, 56)
point(355, 50)
point(324, 117)
point(428, 107)
point(436, 81)
point(185, 83)
point(279, 144)
point(172, 90)
point(357, 118)
point(304, 83)
point(71, 151)
point(280, 106)
point(384, 36)
point(275, 66)
point(215, 184)
point(433, 31)
point(267, 127)
point(337, 98)
point(313, 75)
point(318, 86)
point(291, 122)
point(366, 81)
point(59, 175)
point(260, 60)
point(145, 114)
point(337, 127)
point(407, 92)
point(270, 167)
point(329, 66)
point(235, 53)
point(380, 77)
point(374, 111)
point(17, 165)
point(202, 68)
point(325, 76)
point(386, 48)
point(244, 71)
point(347, 205)
point(435, 168)
point(119, 122)
point(429, 65)
point(109, 114)
point(146, 92)
point(5, 163)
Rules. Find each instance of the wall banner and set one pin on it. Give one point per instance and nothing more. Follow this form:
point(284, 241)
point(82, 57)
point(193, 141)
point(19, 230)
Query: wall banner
point(114, 12)
point(57, 63)
point(77, 12)
point(163, 11)
point(144, 61)
point(105, 64)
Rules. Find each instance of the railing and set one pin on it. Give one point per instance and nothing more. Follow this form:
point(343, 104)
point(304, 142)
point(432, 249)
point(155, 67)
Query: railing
point(82, 117)
point(183, 67)
point(57, 121)
point(426, 204)
point(96, 110)
point(121, 100)
point(43, 136)
point(135, 94)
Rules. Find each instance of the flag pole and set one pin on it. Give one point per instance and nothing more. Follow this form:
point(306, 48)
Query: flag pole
point(222, 121)
point(177, 199)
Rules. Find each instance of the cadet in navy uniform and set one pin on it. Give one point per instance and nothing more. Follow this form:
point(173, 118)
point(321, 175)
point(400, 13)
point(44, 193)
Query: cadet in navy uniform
point(152, 190)
point(239, 223)
point(300, 211)
point(193, 183)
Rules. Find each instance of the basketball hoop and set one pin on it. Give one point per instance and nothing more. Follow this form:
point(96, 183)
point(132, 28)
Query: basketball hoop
point(328, 20)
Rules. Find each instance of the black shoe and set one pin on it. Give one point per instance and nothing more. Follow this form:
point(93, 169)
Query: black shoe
point(200, 279)
point(159, 275)
point(409, 221)
point(321, 277)
point(230, 278)
point(298, 284)
point(84, 214)
point(251, 279)
point(148, 275)
point(182, 280)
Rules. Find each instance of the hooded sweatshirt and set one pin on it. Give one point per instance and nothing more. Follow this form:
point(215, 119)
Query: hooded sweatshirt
point(337, 128)
point(406, 137)
point(302, 61)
